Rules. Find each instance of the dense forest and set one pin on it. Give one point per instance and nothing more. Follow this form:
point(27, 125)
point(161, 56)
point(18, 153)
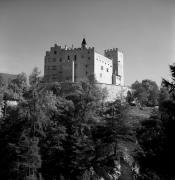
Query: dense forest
point(74, 134)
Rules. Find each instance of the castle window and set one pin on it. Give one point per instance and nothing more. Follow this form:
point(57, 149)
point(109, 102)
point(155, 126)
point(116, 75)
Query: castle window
point(89, 58)
point(86, 65)
point(101, 67)
point(100, 74)
point(53, 67)
point(55, 52)
point(75, 57)
point(60, 59)
point(107, 69)
point(68, 57)
point(54, 76)
point(86, 73)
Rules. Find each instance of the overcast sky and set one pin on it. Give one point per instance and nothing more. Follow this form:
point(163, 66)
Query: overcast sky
point(144, 30)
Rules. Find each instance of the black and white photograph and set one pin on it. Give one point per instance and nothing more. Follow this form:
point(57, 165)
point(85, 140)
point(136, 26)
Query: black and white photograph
point(87, 89)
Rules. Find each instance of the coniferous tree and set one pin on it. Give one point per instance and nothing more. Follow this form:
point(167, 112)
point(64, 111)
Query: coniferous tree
point(156, 136)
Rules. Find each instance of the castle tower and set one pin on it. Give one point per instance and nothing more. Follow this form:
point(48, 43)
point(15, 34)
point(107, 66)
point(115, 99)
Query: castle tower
point(117, 60)
point(84, 44)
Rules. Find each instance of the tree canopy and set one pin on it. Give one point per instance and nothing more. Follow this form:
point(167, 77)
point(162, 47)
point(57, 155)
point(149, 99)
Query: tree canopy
point(61, 131)
point(146, 92)
point(156, 136)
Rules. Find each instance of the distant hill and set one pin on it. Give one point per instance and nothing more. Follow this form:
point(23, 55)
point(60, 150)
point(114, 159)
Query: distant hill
point(8, 77)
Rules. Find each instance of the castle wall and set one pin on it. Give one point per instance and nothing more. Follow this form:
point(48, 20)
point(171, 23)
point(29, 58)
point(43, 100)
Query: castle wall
point(103, 69)
point(113, 54)
point(59, 64)
point(114, 92)
point(120, 67)
point(84, 66)
point(53, 64)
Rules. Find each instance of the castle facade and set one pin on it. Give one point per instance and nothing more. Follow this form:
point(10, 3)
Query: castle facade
point(76, 64)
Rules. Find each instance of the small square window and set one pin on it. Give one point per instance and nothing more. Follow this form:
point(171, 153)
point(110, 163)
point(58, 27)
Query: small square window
point(53, 67)
point(54, 76)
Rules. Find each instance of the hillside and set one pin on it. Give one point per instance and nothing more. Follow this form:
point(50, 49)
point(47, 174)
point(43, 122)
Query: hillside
point(134, 114)
point(7, 77)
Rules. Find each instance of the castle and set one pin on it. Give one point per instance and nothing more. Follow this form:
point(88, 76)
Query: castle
point(76, 64)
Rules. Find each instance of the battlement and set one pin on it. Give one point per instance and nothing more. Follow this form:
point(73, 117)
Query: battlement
point(56, 47)
point(111, 50)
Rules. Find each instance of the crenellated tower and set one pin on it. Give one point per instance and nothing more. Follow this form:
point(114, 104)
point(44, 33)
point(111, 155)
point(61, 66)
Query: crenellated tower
point(117, 60)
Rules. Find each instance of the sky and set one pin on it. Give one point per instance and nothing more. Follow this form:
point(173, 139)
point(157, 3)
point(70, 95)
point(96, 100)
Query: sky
point(144, 30)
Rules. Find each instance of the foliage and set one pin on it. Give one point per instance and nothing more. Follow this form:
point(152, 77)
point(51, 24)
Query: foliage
point(129, 97)
point(170, 85)
point(61, 130)
point(16, 87)
point(163, 95)
point(146, 92)
point(156, 137)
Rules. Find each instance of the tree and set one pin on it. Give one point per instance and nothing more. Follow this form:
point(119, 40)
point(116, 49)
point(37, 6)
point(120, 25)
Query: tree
point(156, 136)
point(62, 131)
point(129, 97)
point(22, 130)
point(2, 91)
point(16, 87)
point(146, 92)
point(34, 110)
point(111, 138)
point(151, 140)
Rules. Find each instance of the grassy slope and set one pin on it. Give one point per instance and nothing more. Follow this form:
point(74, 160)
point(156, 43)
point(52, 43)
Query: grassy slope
point(134, 115)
